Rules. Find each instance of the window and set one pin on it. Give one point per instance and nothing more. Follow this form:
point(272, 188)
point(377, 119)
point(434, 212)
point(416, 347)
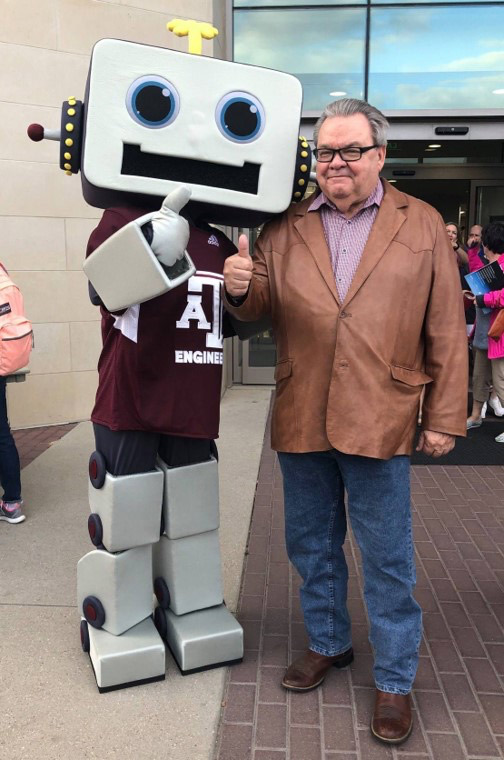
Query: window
point(420, 56)
point(433, 57)
point(325, 49)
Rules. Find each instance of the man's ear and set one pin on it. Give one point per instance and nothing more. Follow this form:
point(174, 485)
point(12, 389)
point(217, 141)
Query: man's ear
point(382, 152)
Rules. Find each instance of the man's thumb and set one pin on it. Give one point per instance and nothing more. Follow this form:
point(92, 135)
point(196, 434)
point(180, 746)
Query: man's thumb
point(243, 247)
point(176, 200)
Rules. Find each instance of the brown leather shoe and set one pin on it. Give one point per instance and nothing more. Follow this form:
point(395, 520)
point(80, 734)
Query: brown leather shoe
point(392, 721)
point(309, 670)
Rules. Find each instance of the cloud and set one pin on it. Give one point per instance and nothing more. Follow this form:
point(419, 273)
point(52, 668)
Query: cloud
point(301, 41)
point(400, 26)
point(492, 61)
point(468, 92)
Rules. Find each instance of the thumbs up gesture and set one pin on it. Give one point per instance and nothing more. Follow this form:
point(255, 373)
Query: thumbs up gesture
point(238, 269)
point(170, 230)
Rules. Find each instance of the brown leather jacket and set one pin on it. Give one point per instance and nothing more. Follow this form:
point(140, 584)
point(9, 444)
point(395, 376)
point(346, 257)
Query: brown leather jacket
point(349, 376)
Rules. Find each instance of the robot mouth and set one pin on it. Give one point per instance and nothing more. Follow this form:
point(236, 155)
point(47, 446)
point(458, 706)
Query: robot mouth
point(244, 179)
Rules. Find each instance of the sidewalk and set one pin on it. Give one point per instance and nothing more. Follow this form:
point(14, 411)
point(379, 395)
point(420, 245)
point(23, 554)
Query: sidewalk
point(459, 699)
point(54, 710)
point(51, 708)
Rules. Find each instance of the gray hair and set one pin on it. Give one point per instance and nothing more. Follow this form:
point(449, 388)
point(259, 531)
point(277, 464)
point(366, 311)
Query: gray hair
point(349, 107)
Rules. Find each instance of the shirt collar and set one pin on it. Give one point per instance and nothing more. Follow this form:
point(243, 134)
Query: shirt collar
point(374, 199)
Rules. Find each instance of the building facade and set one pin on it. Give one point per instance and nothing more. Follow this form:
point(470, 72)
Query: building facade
point(436, 69)
point(44, 222)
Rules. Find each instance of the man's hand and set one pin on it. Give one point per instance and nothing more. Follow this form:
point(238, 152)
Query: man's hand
point(435, 444)
point(170, 230)
point(238, 269)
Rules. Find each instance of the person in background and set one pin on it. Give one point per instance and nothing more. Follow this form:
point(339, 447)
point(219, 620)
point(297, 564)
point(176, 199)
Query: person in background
point(455, 238)
point(493, 246)
point(361, 285)
point(482, 391)
point(11, 503)
point(474, 236)
point(475, 254)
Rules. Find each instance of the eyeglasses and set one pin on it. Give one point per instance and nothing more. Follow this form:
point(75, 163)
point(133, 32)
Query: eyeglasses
point(325, 155)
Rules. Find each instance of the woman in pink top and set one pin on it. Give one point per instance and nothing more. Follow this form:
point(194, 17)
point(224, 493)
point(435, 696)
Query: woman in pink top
point(493, 245)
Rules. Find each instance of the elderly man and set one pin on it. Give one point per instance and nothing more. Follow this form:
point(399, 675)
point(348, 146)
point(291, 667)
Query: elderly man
point(362, 288)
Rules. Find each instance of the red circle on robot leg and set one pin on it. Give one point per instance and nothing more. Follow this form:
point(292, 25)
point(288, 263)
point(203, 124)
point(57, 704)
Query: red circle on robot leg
point(93, 611)
point(97, 469)
point(95, 529)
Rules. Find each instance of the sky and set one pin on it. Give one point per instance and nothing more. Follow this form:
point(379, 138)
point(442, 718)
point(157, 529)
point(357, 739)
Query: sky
point(428, 57)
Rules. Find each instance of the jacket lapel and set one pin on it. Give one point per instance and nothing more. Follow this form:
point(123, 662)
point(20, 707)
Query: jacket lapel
point(389, 219)
point(309, 226)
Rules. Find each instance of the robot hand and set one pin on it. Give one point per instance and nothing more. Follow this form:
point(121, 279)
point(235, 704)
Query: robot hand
point(170, 230)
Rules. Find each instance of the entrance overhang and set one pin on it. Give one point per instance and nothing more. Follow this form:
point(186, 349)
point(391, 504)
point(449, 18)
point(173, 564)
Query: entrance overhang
point(482, 124)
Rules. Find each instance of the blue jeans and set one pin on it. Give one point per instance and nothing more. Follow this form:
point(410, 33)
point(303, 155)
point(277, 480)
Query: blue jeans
point(10, 474)
point(316, 525)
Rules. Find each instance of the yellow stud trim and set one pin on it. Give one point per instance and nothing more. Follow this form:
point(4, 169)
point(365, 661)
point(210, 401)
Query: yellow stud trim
point(72, 102)
point(68, 156)
point(304, 144)
point(69, 142)
point(69, 174)
point(69, 127)
point(297, 195)
point(67, 166)
point(303, 168)
point(302, 137)
point(71, 97)
point(304, 154)
point(71, 111)
point(301, 182)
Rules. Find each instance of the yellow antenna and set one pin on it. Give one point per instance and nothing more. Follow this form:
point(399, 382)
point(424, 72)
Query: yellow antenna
point(195, 30)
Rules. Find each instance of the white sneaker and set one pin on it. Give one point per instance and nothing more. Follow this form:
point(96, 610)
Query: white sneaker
point(500, 438)
point(484, 410)
point(496, 406)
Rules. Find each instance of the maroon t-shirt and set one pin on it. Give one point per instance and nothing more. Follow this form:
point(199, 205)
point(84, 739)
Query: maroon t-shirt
point(161, 364)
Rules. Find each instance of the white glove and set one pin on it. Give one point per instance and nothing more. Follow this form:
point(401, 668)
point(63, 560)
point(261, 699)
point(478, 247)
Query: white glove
point(170, 231)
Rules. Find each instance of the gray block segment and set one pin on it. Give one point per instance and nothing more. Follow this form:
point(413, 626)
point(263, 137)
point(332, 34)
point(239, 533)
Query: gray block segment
point(135, 655)
point(191, 568)
point(204, 638)
point(122, 582)
point(130, 509)
point(191, 498)
point(142, 276)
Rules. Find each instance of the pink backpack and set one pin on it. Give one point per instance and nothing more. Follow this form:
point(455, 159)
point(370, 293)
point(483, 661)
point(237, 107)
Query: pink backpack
point(16, 333)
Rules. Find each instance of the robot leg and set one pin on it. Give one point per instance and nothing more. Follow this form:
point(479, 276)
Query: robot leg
point(114, 582)
point(192, 617)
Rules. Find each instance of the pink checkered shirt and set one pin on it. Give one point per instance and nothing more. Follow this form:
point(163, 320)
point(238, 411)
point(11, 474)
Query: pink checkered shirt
point(346, 238)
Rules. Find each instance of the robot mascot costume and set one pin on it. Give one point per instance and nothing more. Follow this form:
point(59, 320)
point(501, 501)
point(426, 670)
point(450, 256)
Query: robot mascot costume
point(157, 128)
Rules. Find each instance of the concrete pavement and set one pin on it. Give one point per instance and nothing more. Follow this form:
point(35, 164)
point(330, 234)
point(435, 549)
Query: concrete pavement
point(50, 706)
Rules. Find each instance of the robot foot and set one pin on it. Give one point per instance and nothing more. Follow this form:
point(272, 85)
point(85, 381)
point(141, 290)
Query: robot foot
point(135, 657)
point(202, 639)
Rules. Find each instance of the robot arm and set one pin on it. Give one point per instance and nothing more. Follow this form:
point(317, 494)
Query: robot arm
point(125, 270)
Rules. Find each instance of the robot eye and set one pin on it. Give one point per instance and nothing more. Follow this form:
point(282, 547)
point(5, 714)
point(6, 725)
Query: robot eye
point(240, 117)
point(152, 101)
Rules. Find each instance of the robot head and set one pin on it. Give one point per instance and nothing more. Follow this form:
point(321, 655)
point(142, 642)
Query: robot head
point(155, 119)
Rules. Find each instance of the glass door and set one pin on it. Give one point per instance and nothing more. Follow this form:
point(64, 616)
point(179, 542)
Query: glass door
point(259, 359)
point(255, 358)
point(487, 200)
